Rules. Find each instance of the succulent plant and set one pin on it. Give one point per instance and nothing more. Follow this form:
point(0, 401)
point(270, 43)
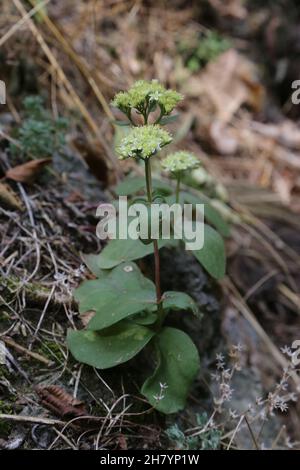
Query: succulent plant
point(143, 142)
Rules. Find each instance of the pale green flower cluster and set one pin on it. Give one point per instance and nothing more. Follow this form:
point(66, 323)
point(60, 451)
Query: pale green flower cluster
point(144, 96)
point(180, 161)
point(143, 142)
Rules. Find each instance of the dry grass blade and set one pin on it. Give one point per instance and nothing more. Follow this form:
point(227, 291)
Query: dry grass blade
point(31, 420)
point(26, 352)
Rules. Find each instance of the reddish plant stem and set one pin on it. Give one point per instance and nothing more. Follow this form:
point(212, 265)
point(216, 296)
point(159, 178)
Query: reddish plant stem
point(157, 272)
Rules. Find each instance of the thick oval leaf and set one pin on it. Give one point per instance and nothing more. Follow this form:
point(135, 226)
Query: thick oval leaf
point(134, 184)
point(110, 347)
point(210, 213)
point(178, 366)
point(118, 251)
point(180, 301)
point(123, 292)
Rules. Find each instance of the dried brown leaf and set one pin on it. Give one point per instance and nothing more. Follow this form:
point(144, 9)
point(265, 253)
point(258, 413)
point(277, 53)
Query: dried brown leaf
point(9, 198)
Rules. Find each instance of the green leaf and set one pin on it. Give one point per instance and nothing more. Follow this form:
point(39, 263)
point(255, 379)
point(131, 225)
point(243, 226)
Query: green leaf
point(178, 366)
point(212, 254)
point(91, 262)
point(117, 251)
point(134, 184)
point(110, 347)
point(180, 301)
point(124, 292)
point(210, 213)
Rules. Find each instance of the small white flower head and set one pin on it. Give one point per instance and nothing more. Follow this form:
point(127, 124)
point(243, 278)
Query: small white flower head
point(220, 357)
point(145, 96)
point(280, 404)
point(160, 396)
point(238, 347)
point(226, 374)
point(180, 161)
point(143, 142)
point(216, 377)
point(163, 385)
point(220, 361)
point(284, 407)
